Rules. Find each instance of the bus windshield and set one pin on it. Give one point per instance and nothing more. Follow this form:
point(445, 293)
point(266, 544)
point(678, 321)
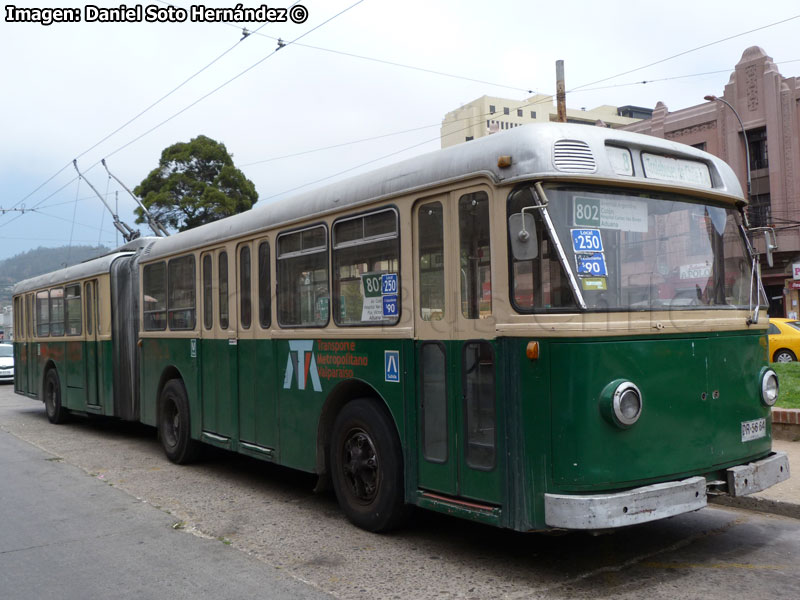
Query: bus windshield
point(633, 250)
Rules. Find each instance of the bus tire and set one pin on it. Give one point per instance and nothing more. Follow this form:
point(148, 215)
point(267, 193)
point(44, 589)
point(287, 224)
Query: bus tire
point(783, 356)
point(174, 424)
point(367, 466)
point(56, 413)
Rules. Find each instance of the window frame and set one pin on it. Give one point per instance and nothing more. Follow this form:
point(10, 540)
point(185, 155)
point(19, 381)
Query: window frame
point(364, 241)
point(193, 308)
point(296, 254)
point(163, 265)
point(68, 312)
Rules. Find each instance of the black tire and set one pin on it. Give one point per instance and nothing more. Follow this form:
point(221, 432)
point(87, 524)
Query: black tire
point(56, 413)
point(783, 356)
point(366, 463)
point(174, 424)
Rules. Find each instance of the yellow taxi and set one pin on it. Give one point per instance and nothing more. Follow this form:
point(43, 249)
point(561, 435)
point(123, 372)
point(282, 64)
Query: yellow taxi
point(784, 340)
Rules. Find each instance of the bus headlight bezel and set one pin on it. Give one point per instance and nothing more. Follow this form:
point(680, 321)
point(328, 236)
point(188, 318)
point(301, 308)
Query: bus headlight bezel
point(769, 393)
point(613, 399)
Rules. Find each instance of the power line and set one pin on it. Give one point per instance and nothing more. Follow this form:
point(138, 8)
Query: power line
point(181, 111)
point(141, 113)
point(232, 79)
point(685, 52)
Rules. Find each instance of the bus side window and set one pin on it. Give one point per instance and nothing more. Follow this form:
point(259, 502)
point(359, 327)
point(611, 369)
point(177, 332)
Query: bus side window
point(245, 288)
point(475, 256)
point(366, 255)
point(29, 316)
point(264, 316)
point(208, 293)
point(303, 278)
point(42, 314)
point(154, 301)
point(431, 261)
point(57, 311)
point(73, 309)
point(181, 293)
point(89, 308)
point(223, 290)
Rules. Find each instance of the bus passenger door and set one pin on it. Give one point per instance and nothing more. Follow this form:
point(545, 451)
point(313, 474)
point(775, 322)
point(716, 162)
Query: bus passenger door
point(218, 348)
point(258, 417)
point(455, 352)
point(434, 325)
point(32, 360)
point(91, 350)
point(20, 347)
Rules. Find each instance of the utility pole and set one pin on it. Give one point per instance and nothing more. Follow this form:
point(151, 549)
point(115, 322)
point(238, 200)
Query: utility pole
point(561, 93)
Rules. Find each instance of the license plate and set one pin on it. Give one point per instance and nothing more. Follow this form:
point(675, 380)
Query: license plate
point(753, 430)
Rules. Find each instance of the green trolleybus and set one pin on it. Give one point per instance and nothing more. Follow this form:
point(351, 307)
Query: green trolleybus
point(556, 326)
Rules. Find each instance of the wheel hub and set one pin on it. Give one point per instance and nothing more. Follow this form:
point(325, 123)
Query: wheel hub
point(360, 463)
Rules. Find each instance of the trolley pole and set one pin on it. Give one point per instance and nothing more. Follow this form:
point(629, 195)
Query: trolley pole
point(561, 93)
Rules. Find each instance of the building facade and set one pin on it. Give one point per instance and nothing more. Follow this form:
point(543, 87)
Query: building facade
point(489, 114)
point(769, 107)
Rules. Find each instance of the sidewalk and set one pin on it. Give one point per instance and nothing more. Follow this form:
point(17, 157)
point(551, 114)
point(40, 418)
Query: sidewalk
point(784, 498)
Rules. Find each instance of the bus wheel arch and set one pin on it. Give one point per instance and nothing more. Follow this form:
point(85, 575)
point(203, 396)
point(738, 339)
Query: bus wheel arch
point(365, 460)
point(51, 395)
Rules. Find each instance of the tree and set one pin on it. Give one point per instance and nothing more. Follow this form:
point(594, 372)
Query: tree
point(195, 183)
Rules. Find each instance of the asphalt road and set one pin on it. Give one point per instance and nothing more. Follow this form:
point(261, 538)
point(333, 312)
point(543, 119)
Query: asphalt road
point(93, 503)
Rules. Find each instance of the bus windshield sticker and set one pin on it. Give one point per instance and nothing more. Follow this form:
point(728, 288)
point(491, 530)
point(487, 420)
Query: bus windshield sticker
point(591, 264)
point(610, 213)
point(586, 240)
point(594, 283)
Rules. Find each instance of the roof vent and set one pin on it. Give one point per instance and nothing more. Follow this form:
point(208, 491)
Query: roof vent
point(573, 156)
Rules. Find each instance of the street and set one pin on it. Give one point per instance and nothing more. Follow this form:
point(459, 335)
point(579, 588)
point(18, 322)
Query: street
point(234, 527)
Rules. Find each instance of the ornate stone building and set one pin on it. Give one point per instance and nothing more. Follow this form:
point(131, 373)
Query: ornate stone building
point(769, 107)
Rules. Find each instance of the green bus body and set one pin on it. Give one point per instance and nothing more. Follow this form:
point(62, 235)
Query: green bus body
point(551, 436)
point(516, 428)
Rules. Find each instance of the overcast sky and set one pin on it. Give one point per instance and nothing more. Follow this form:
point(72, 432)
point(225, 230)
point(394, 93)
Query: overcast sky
point(67, 86)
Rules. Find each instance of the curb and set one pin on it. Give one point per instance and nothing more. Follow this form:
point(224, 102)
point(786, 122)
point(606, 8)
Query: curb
point(764, 505)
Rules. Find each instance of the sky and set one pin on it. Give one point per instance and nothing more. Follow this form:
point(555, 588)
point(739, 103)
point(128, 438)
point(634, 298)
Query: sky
point(65, 87)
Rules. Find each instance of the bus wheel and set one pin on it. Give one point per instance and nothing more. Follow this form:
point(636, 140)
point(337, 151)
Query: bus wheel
point(367, 466)
point(174, 426)
point(56, 413)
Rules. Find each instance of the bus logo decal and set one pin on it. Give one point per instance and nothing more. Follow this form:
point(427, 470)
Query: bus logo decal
point(301, 360)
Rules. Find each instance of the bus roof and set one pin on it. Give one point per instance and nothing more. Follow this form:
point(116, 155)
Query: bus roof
point(88, 268)
point(537, 151)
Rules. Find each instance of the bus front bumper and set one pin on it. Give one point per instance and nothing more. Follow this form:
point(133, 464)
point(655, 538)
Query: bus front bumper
point(660, 500)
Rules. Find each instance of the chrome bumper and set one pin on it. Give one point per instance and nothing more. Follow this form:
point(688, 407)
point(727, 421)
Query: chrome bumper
point(658, 501)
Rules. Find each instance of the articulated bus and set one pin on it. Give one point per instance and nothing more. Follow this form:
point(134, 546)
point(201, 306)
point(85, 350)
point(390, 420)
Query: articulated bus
point(556, 326)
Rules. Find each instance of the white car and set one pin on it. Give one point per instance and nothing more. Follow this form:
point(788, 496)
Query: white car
point(6, 362)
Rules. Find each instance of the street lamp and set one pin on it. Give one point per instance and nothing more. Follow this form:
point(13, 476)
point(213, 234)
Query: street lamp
point(712, 98)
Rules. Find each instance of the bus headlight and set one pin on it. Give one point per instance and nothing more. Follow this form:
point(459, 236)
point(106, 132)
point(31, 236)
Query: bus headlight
point(769, 387)
point(621, 403)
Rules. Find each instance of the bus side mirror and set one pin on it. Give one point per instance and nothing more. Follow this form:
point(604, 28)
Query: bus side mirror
point(522, 233)
point(769, 246)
